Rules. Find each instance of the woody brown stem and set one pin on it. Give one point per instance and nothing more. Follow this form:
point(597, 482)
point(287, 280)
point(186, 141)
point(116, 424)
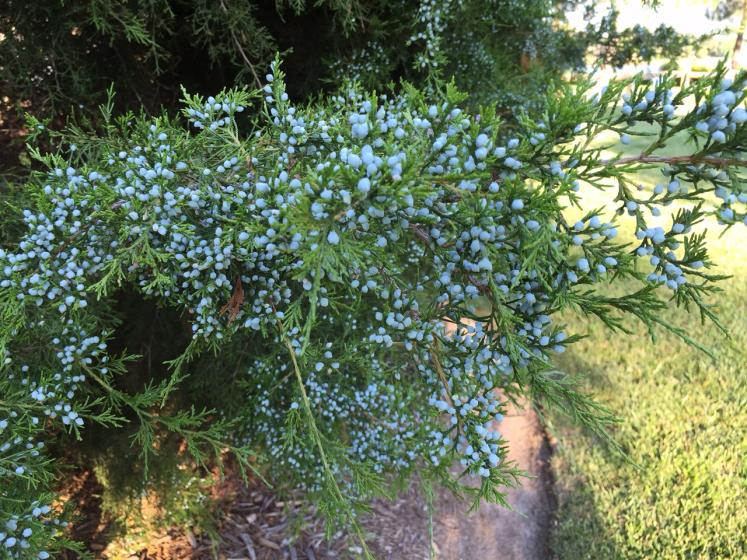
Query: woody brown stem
point(708, 160)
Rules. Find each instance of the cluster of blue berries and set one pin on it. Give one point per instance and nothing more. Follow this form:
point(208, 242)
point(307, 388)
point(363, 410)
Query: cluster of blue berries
point(720, 117)
point(213, 114)
point(17, 532)
point(432, 19)
point(383, 431)
point(369, 66)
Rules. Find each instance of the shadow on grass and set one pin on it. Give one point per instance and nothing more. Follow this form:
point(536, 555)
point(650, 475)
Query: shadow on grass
point(579, 529)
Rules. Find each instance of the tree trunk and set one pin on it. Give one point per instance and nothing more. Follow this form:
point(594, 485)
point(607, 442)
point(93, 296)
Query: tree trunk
point(737, 50)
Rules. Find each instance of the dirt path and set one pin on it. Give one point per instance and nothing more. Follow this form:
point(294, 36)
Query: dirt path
point(490, 533)
point(494, 532)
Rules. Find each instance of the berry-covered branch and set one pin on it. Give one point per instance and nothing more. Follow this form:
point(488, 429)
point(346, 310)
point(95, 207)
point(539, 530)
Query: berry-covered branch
point(365, 281)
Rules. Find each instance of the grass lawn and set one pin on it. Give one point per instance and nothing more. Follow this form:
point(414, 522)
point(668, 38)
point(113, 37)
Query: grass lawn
point(683, 491)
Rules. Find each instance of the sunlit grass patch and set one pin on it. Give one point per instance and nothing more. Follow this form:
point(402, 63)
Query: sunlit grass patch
point(682, 490)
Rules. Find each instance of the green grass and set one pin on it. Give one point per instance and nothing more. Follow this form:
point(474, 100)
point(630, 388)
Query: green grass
point(682, 493)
